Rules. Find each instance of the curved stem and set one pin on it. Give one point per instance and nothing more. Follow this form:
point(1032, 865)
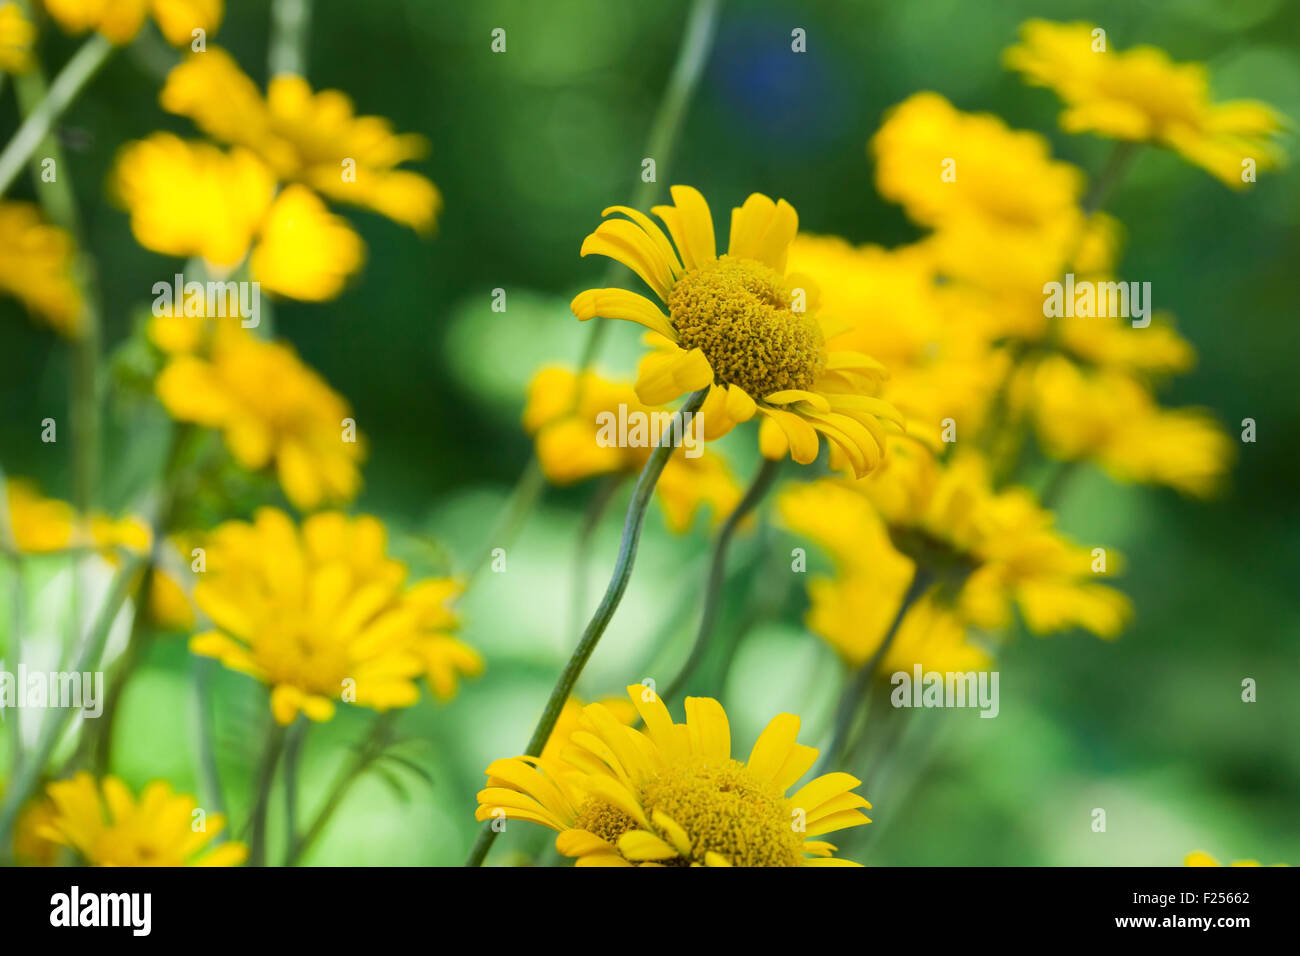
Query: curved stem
point(718, 572)
point(853, 694)
point(209, 772)
point(596, 509)
point(636, 509)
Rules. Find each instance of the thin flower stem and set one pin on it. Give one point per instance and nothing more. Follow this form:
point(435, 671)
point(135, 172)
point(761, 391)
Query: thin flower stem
point(102, 746)
point(596, 508)
point(290, 20)
point(24, 780)
point(1103, 186)
point(17, 599)
point(262, 803)
point(757, 490)
point(204, 669)
point(1058, 481)
point(665, 129)
point(292, 751)
point(851, 700)
point(79, 71)
point(636, 509)
point(371, 748)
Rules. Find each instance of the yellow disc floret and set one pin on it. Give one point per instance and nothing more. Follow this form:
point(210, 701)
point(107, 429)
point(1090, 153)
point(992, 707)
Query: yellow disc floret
point(738, 313)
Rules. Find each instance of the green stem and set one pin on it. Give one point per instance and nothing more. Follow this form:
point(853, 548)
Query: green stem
point(596, 509)
point(79, 71)
point(292, 751)
point(376, 740)
point(204, 669)
point(1058, 481)
point(131, 658)
point(25, 780)
point(17, 599)
point(262, 802)
point(718, 572)
point(636, 509)
point(1117, 164)
point(287, 53)
point(851, 700)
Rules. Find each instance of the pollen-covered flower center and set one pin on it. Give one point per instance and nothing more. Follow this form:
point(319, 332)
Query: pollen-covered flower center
point(725, 809)
point(739, 313)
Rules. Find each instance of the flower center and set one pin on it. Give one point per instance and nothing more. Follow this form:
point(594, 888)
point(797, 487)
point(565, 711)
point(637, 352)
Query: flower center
point(738, 313)
point(723, 808)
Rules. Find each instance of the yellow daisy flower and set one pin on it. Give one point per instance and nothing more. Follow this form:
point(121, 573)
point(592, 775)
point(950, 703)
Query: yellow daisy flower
point(1142, 96)
point(120, 20)
point(108, 826)
point(998, 549)
point(1111, 418)
point(672, 795)
point(305, 137)
point(739, 325)
point(322, 613)
point(272, 410)
point(36, 267)
point(568, 451)
point(17, 35)
point(195, 199)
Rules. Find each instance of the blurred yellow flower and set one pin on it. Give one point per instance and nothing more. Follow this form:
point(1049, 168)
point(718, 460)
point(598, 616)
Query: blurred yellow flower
point(322, 614)
point(305, 137)
point(1142, 96)
point(120, 20)
point(741, 326)
point(108, 826)
point(36, 267)
point(1111, 418)
point(672, 795)
point(195, 199)
point(38, 524)
point(996, 549)
point(272, 410)
point(17, 35)
point(565, 428)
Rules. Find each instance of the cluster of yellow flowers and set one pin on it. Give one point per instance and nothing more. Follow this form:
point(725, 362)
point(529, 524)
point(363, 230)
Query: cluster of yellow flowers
point(922, 367)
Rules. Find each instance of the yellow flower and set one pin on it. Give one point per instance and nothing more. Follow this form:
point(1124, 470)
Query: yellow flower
point(272, 410)
point(853, 609)
point(17, 34)
point(999, 549)
point(305, 137)
point(195, 199)
point(36, 263)
point(322, 613)
point(568, 449)
point(38, 524)
point(120, 20)
point(1201, 858)
point(739, 325)
point(1112, 419)
point(107, 826)
point(672, 795)
point(1003, 210)
point(1142, 96)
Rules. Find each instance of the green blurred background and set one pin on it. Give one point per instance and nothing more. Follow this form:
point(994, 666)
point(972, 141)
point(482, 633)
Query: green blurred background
point(528, 147)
